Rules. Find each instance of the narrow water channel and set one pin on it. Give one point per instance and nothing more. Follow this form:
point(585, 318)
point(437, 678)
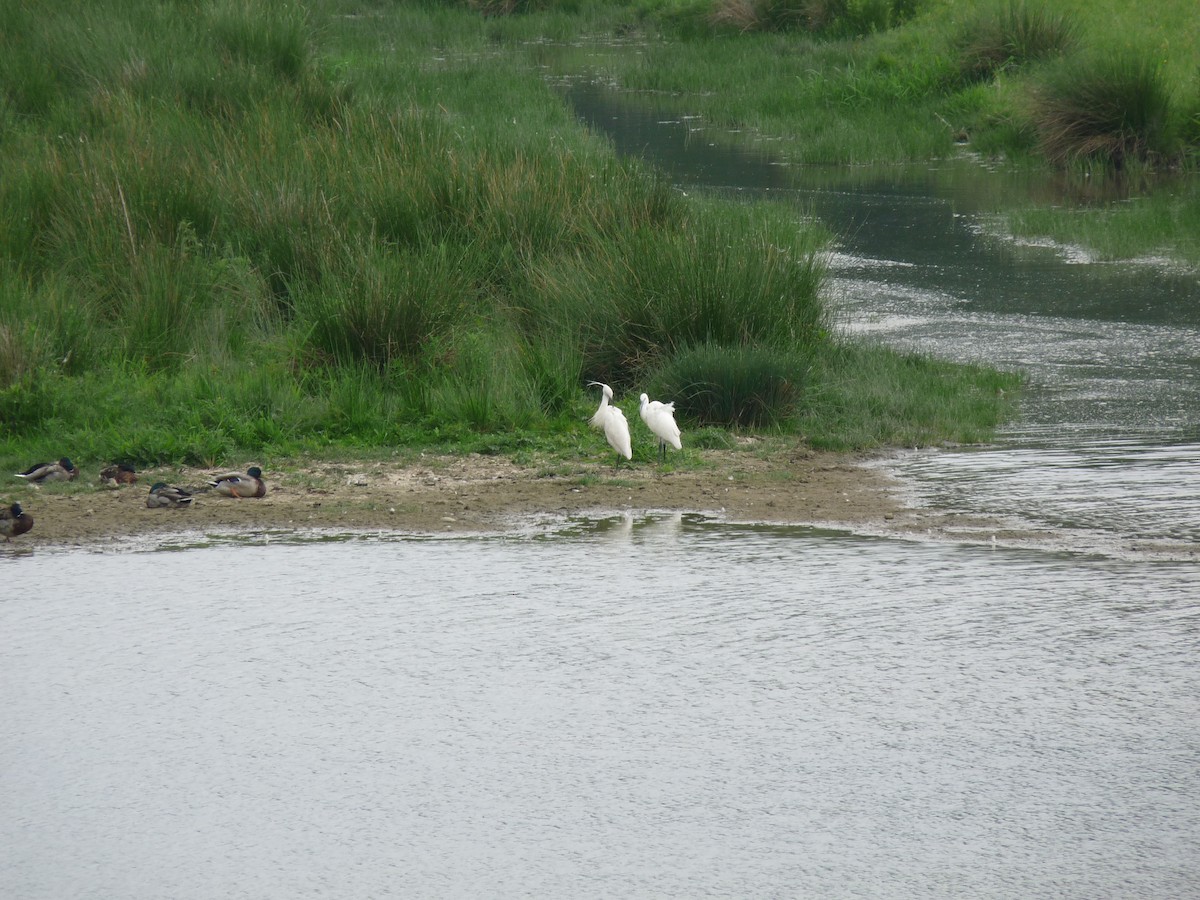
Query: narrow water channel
point(1105, 453)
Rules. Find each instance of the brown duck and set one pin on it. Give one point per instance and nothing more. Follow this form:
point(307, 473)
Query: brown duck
point(14, 521)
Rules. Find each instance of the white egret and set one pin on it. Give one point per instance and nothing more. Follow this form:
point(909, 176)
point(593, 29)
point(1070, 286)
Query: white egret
point(612, 422)
point(660, 418)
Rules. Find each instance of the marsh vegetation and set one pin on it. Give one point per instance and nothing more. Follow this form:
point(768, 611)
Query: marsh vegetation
point(245, 228)
point(1100, 94)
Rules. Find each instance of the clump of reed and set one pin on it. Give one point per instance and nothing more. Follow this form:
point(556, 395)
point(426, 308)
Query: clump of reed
point(377, 305)
point(1011, 35)
point(733, 387)
point(20, 354)
point(1109, 107)
point(748, 289)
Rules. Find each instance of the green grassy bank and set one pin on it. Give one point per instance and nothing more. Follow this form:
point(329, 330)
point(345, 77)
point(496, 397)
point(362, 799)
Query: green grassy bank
point(1103, 84)
point(1104, 94)
point(240, 229)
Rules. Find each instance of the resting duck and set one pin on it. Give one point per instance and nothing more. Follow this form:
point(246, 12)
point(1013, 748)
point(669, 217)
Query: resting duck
point(114, 476)
point(162, 496)
point(40, 473)
point(14, 521)
point(235, 484)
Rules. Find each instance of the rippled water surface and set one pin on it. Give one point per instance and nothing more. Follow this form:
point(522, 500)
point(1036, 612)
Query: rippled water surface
point(1104, 456)
point(668, 706)
point(639, 706)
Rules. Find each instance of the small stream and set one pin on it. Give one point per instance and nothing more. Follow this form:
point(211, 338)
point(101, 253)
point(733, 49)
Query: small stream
point(1105, 454)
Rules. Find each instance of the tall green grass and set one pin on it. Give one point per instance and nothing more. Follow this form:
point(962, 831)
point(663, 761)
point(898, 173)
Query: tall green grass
point(734, 387)
point(381, 305)
point(267, 228)
point(1012, 35)
point(1116, 107)
point(828, 18)
point(865, 396)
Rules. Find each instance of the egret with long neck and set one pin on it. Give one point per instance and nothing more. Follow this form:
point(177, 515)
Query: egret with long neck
point(612, 422)
point(660, 419)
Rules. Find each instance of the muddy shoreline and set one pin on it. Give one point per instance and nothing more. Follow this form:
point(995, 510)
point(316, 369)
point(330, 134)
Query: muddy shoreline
point(438, 494)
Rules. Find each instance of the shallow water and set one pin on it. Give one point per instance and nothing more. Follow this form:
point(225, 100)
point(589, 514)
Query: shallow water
point(639, 706)
point(1104, 456)
point(670, 706)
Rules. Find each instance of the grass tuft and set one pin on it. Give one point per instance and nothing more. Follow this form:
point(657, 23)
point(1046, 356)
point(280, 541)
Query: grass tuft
point(732, 387)
point(1012, 35)
point(1113, 108)
point(378, 305)
point(751, 281)
point(272, 35)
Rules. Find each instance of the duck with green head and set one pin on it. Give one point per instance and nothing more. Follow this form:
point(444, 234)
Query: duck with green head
point(164, 496)
point(14, 521)
point(40, 473)
point(239, 485)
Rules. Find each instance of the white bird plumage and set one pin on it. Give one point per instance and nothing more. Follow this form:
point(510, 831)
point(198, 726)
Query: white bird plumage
point(660, 418)
point(612, 422)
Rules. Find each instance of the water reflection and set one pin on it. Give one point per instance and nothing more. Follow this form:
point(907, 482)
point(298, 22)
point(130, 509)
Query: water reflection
point(646, 527)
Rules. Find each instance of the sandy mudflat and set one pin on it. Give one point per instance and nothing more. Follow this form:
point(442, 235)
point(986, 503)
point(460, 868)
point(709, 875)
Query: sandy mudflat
point(470, 493)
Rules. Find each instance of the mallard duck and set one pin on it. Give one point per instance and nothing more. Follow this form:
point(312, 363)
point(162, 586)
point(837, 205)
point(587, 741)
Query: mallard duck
point(121, 473)
point(162, 496)
point(235, 484)
point(40, 473)
point(14, 521)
